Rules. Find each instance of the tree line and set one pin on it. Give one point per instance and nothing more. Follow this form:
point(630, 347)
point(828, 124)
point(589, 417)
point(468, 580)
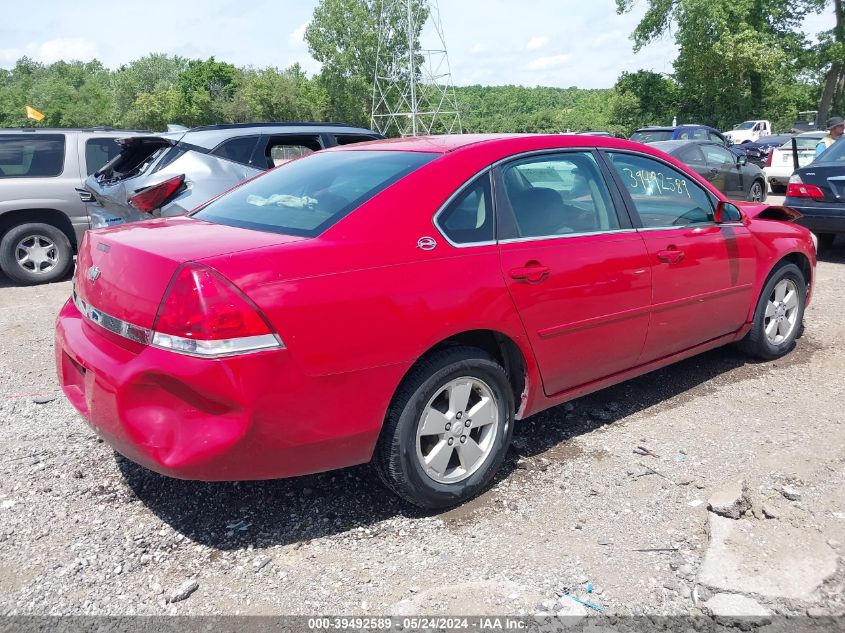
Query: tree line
point(737, 59)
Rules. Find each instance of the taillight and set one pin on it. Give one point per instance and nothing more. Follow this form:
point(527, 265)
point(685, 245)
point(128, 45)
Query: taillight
point(203, 314)
point(797, 189)
point(152, 198)
point(769, 157)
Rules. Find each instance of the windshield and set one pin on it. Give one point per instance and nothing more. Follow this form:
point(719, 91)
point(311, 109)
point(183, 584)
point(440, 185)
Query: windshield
point(307, 196)
point(747, 125)
point(650, 136)
point(833, 154)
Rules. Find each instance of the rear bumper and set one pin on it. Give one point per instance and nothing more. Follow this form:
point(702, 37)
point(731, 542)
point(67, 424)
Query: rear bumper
point(241, 418)
point(819, 217)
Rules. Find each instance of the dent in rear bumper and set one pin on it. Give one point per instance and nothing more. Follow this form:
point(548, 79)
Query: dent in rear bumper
point(247, 417)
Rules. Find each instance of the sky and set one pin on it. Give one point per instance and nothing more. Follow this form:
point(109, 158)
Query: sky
point(492, 42)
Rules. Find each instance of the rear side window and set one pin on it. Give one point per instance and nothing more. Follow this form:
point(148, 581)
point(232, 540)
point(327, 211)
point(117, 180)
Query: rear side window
point(283, 149)
point(237, 149)
point(469, 218)
point(98, 152)
point(308, 196)
point(651, 136)
point(347, 139)
point(690, 154)
point(31, 155)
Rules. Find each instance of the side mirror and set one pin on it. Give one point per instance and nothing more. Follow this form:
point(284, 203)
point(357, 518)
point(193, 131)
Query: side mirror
point(742, 161)
point(727, 212)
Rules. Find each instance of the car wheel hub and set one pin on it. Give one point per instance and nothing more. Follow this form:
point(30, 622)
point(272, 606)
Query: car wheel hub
point(781, 314)
point(457, 430)
point(37, 254)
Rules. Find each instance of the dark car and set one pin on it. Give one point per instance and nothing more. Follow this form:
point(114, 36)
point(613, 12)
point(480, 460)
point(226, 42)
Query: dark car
point(732, 175)
point(690, 131)
point(817, 191)
point(758, 151)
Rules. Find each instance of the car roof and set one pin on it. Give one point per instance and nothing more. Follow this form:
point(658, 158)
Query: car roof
point(449, 143)
point(210, 136)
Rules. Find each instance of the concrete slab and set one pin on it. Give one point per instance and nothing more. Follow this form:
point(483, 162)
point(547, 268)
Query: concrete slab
point(769, 558)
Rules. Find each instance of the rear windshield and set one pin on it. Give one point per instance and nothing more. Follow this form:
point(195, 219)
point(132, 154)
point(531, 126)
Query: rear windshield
point(31, 155)
point(833, 154)
point(307, 196)
point(650, 136)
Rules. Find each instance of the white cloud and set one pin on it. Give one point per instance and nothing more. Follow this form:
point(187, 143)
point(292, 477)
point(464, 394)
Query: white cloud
point(68, 49)
point(538, 41)
point(545, 63)
point(478, 48)
point(297, 36)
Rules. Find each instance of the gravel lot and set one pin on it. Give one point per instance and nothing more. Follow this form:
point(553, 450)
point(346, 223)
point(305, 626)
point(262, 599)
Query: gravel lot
point(83, 531)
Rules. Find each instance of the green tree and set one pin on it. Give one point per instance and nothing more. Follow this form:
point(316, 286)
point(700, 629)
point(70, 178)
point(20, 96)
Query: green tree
point(734, 55)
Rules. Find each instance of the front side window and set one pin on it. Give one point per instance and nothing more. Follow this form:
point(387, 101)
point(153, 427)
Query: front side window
point(308, 196)
point(558, 194)
point(662, 195)
point(31, 155)
point(99, 151)
point(469, 218)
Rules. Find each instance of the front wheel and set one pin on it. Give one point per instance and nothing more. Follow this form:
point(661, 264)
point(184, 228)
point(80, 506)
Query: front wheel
point(447, 429)
point(779, 315)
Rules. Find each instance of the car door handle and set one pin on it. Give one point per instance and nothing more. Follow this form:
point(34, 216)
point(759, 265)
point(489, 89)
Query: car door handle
point(532, 272)
point(671, 255)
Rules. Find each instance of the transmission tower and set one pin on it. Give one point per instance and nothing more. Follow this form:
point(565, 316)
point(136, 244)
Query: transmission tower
point(412, 91)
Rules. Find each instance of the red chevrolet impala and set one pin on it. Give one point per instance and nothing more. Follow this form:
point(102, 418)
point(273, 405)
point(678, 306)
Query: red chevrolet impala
point(406, 301)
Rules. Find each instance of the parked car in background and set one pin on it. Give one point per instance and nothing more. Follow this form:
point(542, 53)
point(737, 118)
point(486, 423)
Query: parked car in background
point(689, 131)
point(817, 191)
point(406, 301)
point(758, 151)
point(171, 173)
point(805, 122)
point(43, 211)
point(748, 131)
point(733, 175)
point(781, 162)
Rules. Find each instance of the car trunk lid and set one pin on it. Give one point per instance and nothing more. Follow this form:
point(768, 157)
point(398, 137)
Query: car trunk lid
point(125, 271)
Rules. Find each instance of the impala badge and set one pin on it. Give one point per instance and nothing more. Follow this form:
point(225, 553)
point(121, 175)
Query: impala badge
point(93, 273)
point(426, 243)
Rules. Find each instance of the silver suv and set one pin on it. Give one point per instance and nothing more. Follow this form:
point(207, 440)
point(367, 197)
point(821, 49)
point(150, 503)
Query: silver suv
point(43, 211)
point(173, 173)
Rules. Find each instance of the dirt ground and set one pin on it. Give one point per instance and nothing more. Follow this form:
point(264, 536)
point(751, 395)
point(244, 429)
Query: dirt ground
point(575, 512)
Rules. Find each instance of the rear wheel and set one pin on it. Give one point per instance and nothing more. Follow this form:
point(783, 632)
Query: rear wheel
point(447, 429)
point(779, 316)
point(35, 253)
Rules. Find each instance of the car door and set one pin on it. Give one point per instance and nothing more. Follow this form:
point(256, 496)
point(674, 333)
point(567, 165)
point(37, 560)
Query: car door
point(729, 179)
point(577, 272)
point(702, 272)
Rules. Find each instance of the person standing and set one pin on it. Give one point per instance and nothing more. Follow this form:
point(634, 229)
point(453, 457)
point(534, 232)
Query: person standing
point(836, 127)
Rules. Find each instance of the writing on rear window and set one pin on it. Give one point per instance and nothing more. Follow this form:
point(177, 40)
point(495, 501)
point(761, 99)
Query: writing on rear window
point(655, 182)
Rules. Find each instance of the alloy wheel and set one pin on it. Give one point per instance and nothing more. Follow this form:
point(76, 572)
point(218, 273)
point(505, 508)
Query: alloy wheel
point(781, 315)
point(37, 254)
point(457, 431)
point(756, 193)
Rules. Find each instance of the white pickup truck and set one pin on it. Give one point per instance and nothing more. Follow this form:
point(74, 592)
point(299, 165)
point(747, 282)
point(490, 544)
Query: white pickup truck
point(749, 131)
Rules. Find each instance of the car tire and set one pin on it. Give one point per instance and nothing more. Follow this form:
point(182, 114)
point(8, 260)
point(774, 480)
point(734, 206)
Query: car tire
point(777, 190)
point(776, 325)
point(424, 452)
point(757, 191)
point(55, 255)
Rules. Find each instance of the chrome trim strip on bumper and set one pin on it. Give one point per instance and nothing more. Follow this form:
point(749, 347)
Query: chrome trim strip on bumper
point(177, 344)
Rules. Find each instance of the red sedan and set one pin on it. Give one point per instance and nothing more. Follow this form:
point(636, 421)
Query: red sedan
point(405, 301)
